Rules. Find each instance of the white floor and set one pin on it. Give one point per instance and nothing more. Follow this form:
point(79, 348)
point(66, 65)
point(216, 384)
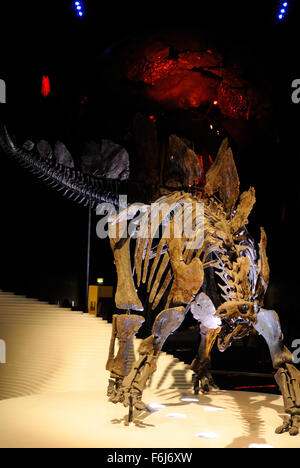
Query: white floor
point(87, 420)
point(53, 391)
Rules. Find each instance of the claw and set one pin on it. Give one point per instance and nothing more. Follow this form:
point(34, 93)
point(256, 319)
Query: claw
point(203, 383)
point(288, 380)
point(295, 425)
point(110, 388)
point(294, 431)
point(284, 427)
point(290, 424)
point(211, 382)
point(113, 390)
point(204, 386)
point(196, 384)
point(132, 397)
point(137, 401)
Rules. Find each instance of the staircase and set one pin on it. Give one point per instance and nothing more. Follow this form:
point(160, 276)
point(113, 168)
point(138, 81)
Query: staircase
point(50, 349)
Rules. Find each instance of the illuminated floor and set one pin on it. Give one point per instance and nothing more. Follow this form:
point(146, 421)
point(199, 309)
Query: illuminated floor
point(53, 388)
point(85, 419)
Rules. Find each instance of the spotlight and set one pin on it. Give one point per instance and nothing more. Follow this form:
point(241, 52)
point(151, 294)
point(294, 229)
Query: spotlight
point(190, 400)
point(260, 446)
point(208, 435)
point(285, 4)
point(155, 406)
point(176, 415)
point(212, 408)
point(280, 17)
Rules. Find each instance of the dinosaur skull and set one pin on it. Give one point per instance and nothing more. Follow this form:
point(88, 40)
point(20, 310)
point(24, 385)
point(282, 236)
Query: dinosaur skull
point(237, 311)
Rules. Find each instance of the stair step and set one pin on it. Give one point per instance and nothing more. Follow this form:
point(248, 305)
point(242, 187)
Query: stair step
point(52, 349)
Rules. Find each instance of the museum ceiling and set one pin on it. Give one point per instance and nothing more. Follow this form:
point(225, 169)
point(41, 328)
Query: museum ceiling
point(193, 76)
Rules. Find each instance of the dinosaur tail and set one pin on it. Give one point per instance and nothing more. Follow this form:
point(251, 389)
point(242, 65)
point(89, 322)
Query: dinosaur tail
point(71, 182)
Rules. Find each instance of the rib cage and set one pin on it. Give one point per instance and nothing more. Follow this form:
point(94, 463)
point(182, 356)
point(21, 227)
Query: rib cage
point(151, 261)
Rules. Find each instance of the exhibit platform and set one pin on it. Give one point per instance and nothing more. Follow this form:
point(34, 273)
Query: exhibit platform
point(86, 420)
point(53, 392)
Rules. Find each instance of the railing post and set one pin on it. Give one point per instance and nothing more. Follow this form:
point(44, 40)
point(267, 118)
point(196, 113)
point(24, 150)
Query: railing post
point(88, 258)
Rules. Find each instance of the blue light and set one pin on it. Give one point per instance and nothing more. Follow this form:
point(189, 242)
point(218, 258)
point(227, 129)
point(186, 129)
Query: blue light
point(79, 8)
point(282, 11)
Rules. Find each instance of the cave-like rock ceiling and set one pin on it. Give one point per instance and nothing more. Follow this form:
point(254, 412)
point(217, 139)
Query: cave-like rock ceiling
point(176, 72)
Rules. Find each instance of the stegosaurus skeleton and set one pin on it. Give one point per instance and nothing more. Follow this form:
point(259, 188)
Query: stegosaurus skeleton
point(201, 239)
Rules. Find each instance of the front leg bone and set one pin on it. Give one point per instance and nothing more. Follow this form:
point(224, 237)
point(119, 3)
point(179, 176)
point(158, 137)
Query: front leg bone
point(288, 380)
point(287, 376)
point(204, 311)
point(202, 379)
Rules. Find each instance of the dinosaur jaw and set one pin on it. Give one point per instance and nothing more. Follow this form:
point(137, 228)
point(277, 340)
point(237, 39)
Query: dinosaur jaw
point(238, 310)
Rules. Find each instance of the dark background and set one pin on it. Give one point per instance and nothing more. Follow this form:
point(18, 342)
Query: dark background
point(43, 236)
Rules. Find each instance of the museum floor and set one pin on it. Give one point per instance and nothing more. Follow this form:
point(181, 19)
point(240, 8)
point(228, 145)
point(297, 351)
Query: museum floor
point(53, 392)
point(85, 419)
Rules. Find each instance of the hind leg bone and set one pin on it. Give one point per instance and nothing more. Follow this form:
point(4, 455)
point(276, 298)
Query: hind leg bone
point(124, 328)
point(131, 389)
